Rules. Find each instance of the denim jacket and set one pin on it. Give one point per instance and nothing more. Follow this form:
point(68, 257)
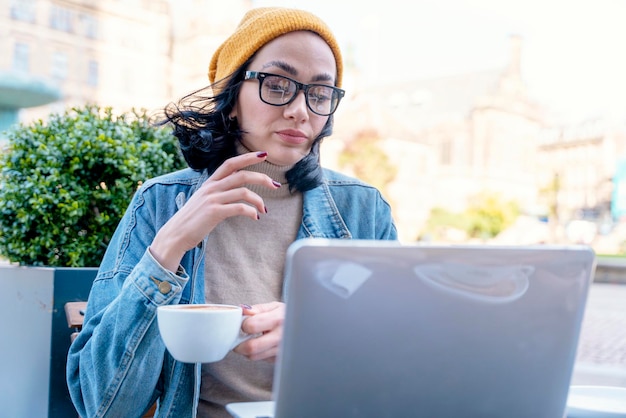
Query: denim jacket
point(118, 365)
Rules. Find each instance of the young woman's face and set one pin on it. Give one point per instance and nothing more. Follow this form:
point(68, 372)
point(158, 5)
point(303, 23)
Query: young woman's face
point(285, 132)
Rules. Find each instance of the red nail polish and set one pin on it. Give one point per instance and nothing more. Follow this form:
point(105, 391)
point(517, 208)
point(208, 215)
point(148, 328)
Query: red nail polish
point(265, 207)
point(261, 154)
point(258, 217)
point(275, 183)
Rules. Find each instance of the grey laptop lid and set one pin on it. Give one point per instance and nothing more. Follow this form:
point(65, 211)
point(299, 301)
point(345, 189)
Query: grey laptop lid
point(380, 329)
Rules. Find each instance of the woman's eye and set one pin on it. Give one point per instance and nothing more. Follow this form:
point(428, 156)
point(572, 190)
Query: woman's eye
point(320, 94)
point(277, 87)
point(320, 98)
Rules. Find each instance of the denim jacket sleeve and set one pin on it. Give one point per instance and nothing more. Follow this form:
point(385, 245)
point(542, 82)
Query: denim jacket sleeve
point(119, 352)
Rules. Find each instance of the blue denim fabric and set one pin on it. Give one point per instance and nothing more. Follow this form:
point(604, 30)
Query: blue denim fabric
point(118, 365)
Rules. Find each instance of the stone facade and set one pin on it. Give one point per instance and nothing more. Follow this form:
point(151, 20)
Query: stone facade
point(124, 54)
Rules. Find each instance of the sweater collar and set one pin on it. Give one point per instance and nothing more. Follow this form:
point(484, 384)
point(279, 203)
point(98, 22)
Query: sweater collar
point(275, 172)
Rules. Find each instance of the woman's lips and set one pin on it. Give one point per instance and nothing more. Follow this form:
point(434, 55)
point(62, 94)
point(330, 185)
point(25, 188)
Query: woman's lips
point(293, 136)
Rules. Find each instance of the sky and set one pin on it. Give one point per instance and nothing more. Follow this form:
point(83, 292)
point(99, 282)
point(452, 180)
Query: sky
point(573, 52)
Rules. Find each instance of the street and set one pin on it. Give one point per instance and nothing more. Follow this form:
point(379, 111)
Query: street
point(601, 356)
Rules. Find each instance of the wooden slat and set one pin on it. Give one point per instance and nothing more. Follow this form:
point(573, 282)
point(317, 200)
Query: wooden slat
point(151, 412)
point(74, 312)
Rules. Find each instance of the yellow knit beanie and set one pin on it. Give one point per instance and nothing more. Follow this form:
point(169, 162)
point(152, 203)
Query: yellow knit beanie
point(258, 27)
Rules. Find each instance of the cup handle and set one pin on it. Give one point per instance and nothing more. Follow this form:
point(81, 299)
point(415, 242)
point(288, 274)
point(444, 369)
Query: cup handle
point(242, 335)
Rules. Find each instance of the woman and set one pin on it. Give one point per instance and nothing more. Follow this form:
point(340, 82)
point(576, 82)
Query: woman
point(218, 232)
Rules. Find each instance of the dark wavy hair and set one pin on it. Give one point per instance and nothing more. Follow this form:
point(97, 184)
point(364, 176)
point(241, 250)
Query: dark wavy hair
point(207, 136)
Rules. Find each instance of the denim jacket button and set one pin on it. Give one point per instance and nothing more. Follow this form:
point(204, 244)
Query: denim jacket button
point(164, 286)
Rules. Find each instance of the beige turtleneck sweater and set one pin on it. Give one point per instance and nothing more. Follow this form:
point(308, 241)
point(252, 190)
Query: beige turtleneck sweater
point(244, 264)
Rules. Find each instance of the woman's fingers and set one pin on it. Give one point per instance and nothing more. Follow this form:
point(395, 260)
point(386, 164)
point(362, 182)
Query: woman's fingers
point(222, 195)
point(259, 348)
point(265, 319)
point(239, 179)
point(264, 347)
point(232, 202)
point(234, 164)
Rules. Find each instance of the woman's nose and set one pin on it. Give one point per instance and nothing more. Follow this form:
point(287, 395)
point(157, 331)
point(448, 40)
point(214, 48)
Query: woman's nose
point(298, 108)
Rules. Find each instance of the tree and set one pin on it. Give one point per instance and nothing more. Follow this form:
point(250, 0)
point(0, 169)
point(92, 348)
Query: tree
point(486, 216)
point(489, 214)
point(367, 160)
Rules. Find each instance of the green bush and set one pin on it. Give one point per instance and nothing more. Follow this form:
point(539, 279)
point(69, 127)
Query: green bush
point(65, 183)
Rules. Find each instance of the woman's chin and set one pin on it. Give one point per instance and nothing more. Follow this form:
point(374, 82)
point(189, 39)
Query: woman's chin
point(284, 159)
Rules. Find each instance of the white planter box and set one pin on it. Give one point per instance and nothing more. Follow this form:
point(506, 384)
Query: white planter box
point(35, 338)
point(25, 329)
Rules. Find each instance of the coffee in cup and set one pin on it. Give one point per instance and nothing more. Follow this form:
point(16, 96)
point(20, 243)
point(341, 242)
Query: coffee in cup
point(202, 333)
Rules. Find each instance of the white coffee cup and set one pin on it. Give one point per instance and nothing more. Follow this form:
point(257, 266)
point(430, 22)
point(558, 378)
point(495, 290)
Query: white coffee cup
point(200, 333)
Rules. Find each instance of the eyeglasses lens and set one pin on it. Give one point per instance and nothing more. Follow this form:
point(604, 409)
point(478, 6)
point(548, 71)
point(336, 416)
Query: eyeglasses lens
point(277, 90)
point(322, 99)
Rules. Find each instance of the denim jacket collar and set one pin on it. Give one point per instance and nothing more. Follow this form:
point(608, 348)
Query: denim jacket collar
point(320, 216)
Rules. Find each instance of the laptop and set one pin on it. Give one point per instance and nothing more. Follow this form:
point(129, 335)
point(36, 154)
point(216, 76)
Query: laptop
point(384, 329)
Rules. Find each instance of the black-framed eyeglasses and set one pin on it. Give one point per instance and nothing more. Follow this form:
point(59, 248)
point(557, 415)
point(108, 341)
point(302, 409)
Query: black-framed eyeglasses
point(277, 90)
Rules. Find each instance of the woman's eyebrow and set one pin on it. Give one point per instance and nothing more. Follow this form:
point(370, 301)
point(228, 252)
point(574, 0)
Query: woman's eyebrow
point(293, 72)
point(323, 77)
point(283, 66)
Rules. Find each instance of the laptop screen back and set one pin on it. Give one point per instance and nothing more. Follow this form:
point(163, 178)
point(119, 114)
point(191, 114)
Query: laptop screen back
point(380, 329)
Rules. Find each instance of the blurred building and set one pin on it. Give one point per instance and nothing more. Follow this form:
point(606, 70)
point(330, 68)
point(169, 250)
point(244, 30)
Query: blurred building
point(120, 53)
point(580, 163)
point(454, 137)
point(458, 136)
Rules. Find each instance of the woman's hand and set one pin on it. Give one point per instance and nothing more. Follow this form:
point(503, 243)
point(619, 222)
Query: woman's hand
point(222, 195)
point(267, 320)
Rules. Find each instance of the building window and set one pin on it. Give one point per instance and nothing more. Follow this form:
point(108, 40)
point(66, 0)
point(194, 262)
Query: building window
point(89, 26)
point(61, 19)
point(92, 73)
point(21, 58)
point(59, 66)
point(23, 10)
